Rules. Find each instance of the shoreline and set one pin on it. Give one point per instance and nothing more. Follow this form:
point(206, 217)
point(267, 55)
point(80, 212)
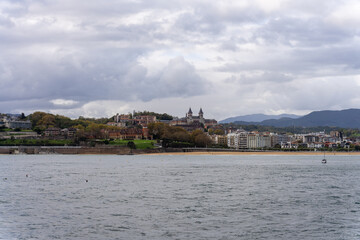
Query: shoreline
point(257, 153)
point(111, 150)
point(203, 154)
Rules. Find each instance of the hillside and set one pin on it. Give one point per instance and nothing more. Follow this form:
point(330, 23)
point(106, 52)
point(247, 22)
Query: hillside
point(257, 118)
point(349, 118)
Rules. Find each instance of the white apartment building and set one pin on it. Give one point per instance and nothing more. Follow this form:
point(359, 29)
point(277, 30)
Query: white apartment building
point(237, 140)
point(258, 141)
point(245, 140)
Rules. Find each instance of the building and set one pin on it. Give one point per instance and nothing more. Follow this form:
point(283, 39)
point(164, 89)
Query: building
point(146, 134)
point(290, 145)
point(52, 132)
point(279, 139)
point(315, 145)
point(238, 140)
point(336, 134)
point(256, 140)
point(144, 120)
point(122, 118)
point(219, 140)
point(244, 140)
point(116, 124)
point(330, 144)
point(311, 138)
point(68, 132)
point(192, 122)
point(17, 124)
point(126, 134)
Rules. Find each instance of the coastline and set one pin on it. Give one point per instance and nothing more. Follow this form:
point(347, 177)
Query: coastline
point(257, 153)
point(113, 150)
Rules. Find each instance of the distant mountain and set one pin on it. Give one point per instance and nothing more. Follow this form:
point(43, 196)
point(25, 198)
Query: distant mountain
point(257, 118)
point(349, 118)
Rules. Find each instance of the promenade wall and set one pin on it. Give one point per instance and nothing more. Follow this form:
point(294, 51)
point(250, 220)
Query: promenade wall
point(119, 150)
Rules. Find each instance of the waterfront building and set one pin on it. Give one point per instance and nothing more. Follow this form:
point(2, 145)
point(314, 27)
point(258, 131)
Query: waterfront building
point(311, 138)
point(238, 139)
point(245, 140)
point(279, 139)
point(219, 139)
point(232, 140)
point(290, 145)
point(256, 140)
point(315, 145)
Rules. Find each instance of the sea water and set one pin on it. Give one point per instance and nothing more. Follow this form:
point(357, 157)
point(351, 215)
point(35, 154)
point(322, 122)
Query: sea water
point(179, 197)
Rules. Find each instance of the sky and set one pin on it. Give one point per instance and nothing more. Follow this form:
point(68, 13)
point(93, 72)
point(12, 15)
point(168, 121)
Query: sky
point(97, 58)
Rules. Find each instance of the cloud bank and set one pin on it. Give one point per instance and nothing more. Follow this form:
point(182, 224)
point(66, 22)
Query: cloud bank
point(230, 58)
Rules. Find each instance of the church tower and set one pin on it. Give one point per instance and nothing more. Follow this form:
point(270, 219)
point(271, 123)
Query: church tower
point(201, 116)
point(189, 116)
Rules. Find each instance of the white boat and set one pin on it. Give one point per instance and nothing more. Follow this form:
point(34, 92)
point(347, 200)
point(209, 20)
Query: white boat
point(324, 159)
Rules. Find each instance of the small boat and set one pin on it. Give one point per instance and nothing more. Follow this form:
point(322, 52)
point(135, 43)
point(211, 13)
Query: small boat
point(324, 159)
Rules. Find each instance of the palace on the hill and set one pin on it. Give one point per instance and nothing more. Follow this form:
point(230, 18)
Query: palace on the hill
point(191, 122)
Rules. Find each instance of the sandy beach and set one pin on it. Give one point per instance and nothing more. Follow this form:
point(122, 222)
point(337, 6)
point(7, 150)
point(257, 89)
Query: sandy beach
point(257, 153)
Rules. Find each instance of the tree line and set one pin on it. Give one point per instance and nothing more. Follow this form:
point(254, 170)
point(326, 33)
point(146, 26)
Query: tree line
point(41, 121)
point(172, 136)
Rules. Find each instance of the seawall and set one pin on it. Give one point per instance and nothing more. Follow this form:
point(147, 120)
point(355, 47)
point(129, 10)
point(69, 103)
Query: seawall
point(117, 150)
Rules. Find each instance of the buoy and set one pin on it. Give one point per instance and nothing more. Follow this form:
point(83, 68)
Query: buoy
point(86, 180)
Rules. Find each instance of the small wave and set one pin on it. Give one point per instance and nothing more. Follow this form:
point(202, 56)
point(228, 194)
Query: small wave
point(120, 215)
point(118, 229)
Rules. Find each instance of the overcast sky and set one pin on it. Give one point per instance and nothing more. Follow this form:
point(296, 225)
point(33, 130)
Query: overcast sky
point(97, 58)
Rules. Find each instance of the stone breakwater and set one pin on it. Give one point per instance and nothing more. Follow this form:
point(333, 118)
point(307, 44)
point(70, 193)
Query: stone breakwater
point(119, 150)
point(75, 150)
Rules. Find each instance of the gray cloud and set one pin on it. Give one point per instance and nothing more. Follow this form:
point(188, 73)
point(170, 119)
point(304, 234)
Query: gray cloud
point(115, 76)
point(260, 77)
point(62, 55)
point(310, 32)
